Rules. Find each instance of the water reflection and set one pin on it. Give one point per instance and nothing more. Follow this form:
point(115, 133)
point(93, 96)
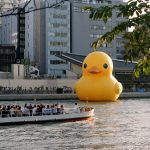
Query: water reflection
point(123, 125)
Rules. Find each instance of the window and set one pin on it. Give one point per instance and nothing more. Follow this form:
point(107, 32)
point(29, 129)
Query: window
point(59, 16)
point(76, 8)
point(51, 34)
point(109, 45)
point(58, 62)
point(59, 25)
point(22, 35)
point(98, 27)
point(95, 35)
point(55, 52)
point(22, 29)
point(22, 43)
point(109, 2)
point(58, 34)
point(62, 7)
point(22, 21)
point(57, 43)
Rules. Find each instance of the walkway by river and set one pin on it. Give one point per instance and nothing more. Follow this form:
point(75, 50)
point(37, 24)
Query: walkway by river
point(65, 96)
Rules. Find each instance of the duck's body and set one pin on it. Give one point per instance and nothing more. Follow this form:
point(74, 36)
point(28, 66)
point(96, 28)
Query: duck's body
point(97, 82)
point(101, 89)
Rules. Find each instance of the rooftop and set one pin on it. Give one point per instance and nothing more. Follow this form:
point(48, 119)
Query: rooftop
point(78, 59)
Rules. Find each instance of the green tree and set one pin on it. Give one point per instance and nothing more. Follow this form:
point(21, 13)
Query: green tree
point(137, 42)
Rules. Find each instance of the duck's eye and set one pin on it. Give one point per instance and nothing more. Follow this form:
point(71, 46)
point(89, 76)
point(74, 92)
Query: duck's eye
point(85, 65)
point(105, 66)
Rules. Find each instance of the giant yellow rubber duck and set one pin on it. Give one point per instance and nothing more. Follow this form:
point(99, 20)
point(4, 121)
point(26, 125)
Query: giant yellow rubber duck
point(97, 82)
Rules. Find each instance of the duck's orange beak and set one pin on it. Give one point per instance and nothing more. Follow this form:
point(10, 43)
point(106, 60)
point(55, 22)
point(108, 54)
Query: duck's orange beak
point(94, 70)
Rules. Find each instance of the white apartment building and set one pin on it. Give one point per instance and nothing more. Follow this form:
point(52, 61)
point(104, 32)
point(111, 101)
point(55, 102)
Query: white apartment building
point(48, 34)
point(57, 38)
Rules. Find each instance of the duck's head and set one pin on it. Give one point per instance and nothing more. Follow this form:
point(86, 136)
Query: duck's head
point(97, 64)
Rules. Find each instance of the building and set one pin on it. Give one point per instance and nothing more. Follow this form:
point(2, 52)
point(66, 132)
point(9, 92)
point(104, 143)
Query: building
point(47, 34)
point(69, 29)
point(9, 31)
point(13, 32)
point(7, 57)
point(85, 31)
point(5, 5)
point(57, 37)
point(35, 36)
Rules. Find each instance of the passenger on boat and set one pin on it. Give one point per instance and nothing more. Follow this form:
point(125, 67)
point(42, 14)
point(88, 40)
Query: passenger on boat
point(55, 109)
point(18, 111)
point(46, 110)
point(49, 111)
point(12, 111)
point(34, 110)
point(8, 110)
point(76, 108)
point(52, 109)
point(38, 110)
point(4, 112)
point(61, 109)
point(58, 109)
point(25, 110)
point(30, 109)
point(82, 109)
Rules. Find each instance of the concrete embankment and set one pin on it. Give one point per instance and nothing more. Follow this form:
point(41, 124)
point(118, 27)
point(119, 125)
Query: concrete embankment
point(37, 97)
point(65, 96)
point(134, 95)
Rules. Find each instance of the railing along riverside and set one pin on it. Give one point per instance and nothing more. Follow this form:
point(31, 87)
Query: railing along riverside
point(52, 90)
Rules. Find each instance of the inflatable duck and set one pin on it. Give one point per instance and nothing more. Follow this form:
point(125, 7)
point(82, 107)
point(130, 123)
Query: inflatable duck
point(97, 82)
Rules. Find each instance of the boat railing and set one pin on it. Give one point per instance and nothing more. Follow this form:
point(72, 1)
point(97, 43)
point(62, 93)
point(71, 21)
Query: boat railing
point(9, 113)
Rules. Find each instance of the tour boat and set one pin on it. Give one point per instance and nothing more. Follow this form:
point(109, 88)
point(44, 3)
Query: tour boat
point(67, 116)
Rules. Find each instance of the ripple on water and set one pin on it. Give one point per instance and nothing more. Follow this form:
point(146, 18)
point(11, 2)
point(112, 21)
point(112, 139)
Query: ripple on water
point(124, 125)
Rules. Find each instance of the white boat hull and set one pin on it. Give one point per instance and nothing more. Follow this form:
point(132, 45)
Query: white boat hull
point(47, 118)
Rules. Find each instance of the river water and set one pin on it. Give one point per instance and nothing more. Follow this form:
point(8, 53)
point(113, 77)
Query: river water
point(122, 125)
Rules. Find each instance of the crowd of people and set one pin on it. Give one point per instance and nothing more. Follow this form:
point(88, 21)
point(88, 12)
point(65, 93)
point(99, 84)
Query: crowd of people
point(31, 109)
point(34, 110)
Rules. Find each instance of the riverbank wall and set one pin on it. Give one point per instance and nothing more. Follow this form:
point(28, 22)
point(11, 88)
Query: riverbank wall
point(65, 96)
point(34, 83)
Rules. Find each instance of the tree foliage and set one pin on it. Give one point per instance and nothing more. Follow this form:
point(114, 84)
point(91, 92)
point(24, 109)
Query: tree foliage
point(137, 42)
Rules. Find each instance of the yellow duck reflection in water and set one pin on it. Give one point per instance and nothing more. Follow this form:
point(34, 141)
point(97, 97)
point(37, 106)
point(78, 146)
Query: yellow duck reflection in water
point(97, 82)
